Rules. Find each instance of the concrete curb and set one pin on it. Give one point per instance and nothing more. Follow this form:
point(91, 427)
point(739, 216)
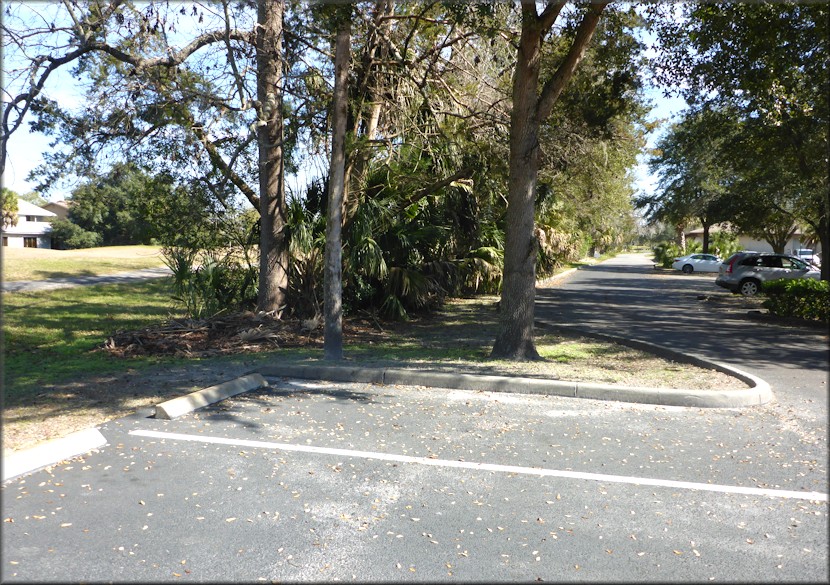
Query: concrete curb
point(50, 452)
point(190, 402)
point(759, 392)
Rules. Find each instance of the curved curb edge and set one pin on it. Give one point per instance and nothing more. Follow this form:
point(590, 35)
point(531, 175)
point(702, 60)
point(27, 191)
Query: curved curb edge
point(759, 391)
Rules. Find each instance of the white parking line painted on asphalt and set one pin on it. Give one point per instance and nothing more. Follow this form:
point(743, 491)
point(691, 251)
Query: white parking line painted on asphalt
point(668, 483)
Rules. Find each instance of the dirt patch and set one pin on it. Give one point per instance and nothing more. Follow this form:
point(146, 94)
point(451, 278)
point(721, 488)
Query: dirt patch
point(230, 334)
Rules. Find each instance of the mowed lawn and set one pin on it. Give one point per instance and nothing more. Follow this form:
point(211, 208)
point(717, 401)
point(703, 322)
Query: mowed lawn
point(39, 264)
point(55, 335)
point(51, 336)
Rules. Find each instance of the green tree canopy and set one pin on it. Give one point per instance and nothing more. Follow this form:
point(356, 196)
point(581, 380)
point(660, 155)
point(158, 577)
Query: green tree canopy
point(127, 205)
point(694, 173)
point(769, 63)
point(9, 198)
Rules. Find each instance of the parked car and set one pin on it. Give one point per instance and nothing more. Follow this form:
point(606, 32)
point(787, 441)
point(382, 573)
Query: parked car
point(808, 256)
point(697, 263)
point(743, 272)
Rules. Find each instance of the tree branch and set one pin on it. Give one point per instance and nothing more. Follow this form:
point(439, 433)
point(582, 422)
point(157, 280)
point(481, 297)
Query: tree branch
point(556, 84)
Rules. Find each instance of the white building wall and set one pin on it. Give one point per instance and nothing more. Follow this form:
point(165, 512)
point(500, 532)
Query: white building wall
point(32, 222)
point(793, 244)
point(747, 243)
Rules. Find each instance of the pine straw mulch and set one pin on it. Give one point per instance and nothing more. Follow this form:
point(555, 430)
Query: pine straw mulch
point(231, 334)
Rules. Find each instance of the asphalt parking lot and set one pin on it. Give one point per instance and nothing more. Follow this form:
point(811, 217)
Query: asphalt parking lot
point(321, 481)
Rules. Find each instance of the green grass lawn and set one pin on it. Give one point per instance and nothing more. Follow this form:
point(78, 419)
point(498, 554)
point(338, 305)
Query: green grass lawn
point(39, 264)
point(56, 336)
point(53, 335)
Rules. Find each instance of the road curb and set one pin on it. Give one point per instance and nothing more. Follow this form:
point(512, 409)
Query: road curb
point(758, 392)
point(176, 407)
point(17, 463)
point(50, 452)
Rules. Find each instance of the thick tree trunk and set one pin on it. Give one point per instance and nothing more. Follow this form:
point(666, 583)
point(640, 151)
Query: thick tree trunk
point(706, 227)
point(514, 339)
point(333, 284)
point(824, 239)
point(273, 246)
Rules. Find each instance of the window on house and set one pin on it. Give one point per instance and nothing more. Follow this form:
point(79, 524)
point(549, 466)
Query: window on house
point(5, 241)
point(30, 242)
point(31, 218)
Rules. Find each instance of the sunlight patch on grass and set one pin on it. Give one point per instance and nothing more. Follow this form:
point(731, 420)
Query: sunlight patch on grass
point(41, 264)
point(51, 335)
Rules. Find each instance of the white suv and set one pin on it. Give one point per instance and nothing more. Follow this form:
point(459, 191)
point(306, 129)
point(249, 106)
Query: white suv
point(744, 272)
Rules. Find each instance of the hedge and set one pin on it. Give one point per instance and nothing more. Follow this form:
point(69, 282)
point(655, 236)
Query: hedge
point(803, 298)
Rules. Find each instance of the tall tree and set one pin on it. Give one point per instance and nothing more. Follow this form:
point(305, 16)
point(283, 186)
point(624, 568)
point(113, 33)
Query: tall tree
point(531, 106)
point(694, 175)
point(9, 207)
point(273, 246)
point(333, 280)
point(196, 91)
point(770, 62)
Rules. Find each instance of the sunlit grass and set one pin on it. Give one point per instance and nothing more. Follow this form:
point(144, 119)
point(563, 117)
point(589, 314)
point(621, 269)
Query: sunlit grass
point(38, 264)
point(50, 336)
point(56, 336)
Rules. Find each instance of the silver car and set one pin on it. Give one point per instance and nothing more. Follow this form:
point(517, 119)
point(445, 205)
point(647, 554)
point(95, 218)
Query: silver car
point(743, 272)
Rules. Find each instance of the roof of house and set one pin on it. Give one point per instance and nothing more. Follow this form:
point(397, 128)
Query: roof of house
point(60, 203)
point(26, 208)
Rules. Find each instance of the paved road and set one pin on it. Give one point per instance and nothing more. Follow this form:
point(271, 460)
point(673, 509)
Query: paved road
point(54, 283)
point(331, 481)
point(625, 296)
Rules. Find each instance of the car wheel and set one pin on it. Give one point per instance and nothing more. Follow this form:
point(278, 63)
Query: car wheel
point(688, 269)
point(750, 287)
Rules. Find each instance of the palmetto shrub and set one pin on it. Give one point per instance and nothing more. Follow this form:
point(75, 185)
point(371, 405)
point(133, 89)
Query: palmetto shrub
point(666, 252)
point(208, 282)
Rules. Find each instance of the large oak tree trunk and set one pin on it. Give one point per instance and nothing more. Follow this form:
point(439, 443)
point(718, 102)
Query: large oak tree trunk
point(823, 234)
point(515, 336)
point(273, 246)
point(514, 339)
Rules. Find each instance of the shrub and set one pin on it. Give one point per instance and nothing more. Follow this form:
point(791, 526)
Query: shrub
point(803, 298)
point(69, 236)
point(724, 244)
point(666, 252)
point(219, 283)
